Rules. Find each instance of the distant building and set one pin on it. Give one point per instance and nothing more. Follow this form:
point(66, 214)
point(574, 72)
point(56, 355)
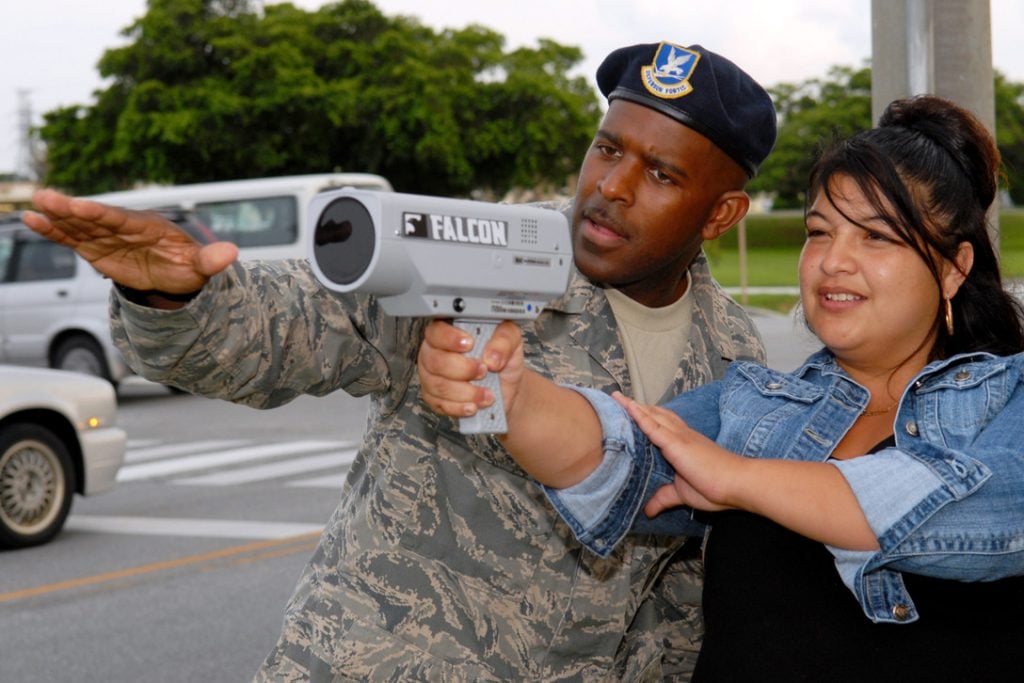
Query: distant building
point(762, 202)
point(16, 194)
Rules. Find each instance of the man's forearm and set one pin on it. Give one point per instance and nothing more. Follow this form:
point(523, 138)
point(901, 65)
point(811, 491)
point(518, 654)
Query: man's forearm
point(553, 433)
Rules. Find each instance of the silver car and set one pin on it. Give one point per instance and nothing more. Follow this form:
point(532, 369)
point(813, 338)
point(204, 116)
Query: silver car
point(58, 436)
point(53, 307)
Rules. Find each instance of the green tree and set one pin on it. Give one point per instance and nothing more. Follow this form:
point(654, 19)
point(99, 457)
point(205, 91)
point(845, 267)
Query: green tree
point(812, 114)
point(213, 89)
point(1010, 133)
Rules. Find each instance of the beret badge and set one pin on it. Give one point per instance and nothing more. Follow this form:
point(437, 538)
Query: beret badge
point(668, 75)
point(701, 90)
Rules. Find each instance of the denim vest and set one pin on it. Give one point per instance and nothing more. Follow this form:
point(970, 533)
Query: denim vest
point(947, 501)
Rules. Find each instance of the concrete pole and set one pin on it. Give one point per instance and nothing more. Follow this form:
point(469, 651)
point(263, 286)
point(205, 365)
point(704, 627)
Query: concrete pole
point(920, 48)
point(941, 47)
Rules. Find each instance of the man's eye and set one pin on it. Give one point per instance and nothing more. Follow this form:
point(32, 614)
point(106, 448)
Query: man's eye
point(661, 176)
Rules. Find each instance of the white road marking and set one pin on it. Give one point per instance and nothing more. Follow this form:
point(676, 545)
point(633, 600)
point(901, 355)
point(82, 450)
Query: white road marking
point(157, 452)
point(272, 470)
point(162, 468)
point(197, 528)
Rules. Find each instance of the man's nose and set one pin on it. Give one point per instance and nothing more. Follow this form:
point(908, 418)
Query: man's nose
point(617, 183)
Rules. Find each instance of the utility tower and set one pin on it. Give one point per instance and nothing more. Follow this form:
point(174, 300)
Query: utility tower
point(25, 163)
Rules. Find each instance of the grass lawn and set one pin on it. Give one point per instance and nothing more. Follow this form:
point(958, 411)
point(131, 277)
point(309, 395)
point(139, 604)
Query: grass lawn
point(765, 267)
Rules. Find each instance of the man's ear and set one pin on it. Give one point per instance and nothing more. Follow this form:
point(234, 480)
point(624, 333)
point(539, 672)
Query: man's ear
point(730, 207)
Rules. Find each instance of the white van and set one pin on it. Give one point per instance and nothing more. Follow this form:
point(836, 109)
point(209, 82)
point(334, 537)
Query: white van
point(53, 304)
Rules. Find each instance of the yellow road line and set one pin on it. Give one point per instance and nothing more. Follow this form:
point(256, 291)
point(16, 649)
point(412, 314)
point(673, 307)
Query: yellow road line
point(155, 567)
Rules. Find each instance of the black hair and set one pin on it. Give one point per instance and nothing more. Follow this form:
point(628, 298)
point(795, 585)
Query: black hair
point(931, 170)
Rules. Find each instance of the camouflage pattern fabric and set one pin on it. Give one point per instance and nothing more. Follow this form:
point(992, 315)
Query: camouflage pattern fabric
point(442, 561)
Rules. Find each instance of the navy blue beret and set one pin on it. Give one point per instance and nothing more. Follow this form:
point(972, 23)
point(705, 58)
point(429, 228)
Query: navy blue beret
point(699, 89)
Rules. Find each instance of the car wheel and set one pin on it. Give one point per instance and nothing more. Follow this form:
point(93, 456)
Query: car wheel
point(81, 354)
point(37, 483)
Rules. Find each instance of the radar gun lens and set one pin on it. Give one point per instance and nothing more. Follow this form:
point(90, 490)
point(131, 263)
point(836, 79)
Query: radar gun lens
point(343, 240)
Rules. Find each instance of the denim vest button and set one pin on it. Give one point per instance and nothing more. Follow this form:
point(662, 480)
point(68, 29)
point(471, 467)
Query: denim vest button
point(773, 385)
point(599, 543)
point(962, 376)
point(901, 612)
point(912, 428)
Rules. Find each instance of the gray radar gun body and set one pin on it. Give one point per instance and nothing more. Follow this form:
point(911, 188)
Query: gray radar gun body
point(475, 262)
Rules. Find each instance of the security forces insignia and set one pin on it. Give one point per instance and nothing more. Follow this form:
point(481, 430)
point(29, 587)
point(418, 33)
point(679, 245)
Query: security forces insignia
point(668, 76)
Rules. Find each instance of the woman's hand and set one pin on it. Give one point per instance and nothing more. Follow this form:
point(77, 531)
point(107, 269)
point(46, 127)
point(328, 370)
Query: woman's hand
point(811, 498)
point(703, 468)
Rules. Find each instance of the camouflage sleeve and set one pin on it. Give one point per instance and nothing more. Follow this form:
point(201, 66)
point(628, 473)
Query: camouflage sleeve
point(262, 333)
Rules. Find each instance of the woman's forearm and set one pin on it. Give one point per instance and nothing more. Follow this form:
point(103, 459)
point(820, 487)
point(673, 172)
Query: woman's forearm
point(810, 498)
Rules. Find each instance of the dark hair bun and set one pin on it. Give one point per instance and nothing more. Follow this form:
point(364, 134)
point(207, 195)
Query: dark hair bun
point(955, 130)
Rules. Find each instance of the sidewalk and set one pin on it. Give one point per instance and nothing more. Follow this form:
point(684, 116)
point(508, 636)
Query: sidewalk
point(787, 340)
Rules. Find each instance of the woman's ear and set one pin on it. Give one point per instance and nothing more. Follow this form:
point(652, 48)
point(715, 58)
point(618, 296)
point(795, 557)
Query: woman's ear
point(730, 208)
point(956, 271)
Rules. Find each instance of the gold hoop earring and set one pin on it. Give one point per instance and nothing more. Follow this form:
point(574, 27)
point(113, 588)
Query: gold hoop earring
point(949, 317)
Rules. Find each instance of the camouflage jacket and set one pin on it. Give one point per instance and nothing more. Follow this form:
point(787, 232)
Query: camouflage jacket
point(443, 561)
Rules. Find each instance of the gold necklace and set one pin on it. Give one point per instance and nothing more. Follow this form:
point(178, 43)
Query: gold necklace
point(881, 411)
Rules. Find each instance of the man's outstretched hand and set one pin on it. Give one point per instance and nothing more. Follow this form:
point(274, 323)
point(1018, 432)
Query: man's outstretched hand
point(138, 249)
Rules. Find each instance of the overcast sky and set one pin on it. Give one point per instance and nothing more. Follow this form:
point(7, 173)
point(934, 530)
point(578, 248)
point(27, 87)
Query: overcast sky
point(49, 48)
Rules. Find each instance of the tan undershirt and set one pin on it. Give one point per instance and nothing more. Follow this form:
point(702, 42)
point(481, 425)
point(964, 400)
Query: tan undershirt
point(654, 339)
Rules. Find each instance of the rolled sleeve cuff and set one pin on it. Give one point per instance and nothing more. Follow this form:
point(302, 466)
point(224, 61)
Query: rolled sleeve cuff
point(601, 508)
point(888, 485)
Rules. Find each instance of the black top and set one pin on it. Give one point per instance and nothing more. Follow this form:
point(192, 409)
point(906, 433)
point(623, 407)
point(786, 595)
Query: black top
point(776, 610)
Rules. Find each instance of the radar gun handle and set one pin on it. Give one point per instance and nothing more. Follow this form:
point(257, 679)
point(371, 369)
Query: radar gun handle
point(490, 420)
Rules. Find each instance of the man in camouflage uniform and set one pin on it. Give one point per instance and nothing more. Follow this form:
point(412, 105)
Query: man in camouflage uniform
point(443, 561)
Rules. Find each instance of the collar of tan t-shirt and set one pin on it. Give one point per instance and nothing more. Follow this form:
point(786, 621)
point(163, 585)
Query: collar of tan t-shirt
point(654, 340)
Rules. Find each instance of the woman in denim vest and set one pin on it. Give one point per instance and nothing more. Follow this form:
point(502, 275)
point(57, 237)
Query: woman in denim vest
point(865, 513)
